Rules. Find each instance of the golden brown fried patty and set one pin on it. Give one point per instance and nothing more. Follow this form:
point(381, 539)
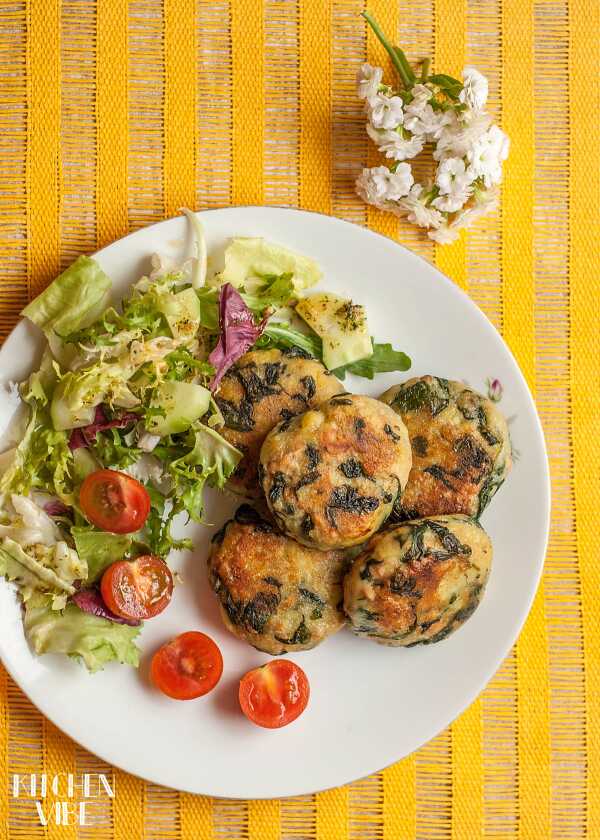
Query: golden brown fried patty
point(418, 582)
point(274, 593)
point(460, 446)
point(331, 475)
point(263, 388)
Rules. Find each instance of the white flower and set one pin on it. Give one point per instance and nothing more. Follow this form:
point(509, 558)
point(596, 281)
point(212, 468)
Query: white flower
point(421, 95)
point(457, 138)
point(368, 80)
point(422, 120)
point(486, 156)
point(380, 185)
point(453, 200)
point(417, 211)
point(443, 235)
point(385, 111)
point(451, 175)
point(394, 145)
point(475, 89)
point(485, 202)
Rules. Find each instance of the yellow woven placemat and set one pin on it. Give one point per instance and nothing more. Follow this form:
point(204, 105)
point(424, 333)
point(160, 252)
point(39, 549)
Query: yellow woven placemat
point(113, 114)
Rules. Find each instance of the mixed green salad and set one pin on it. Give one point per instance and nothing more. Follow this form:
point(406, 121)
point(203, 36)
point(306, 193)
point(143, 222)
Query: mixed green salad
point(130, 388)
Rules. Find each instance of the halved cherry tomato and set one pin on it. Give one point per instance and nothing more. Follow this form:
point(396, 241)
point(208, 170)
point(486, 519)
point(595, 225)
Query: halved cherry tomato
point(139, 588)
point(187, 667)
point(275, 694)
point(114, 501)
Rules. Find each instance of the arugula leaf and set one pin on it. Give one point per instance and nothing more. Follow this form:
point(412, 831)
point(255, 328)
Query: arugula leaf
point(384, 360)
point(281, 335)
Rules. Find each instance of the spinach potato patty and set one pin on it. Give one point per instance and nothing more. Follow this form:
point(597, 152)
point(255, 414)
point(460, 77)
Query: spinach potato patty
point(274, 593)
point(460, 446)
point(263, 388)
point(331, 475)
point(418, 582)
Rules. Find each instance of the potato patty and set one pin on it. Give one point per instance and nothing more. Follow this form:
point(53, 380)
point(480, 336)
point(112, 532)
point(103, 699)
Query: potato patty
point(331, 475)
point(274, 593)
point(261, 389)
point(418, 582)
point(460, 446)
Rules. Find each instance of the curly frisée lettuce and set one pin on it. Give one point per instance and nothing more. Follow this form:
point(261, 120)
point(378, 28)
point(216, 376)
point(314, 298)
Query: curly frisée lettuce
point(78, 634)
point(210, 460)
point(41, 461)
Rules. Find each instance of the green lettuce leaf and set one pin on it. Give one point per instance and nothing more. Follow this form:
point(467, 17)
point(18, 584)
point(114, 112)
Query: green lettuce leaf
point(98, 549)
point(157, 530)
point(273, 294)
point(211, 460)
point(249, 260)
point(73, 301)
point(384, 360)
point(40, 385)
point(42, 461)
point(93, 640)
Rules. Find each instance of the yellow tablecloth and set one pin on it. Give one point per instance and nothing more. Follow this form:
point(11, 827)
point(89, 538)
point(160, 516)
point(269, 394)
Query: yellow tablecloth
point(113, 114)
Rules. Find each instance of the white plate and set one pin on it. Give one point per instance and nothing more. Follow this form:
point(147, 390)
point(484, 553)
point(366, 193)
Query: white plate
point(370, 705)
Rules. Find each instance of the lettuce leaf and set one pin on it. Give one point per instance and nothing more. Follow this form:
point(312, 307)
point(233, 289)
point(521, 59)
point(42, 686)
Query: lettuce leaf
point(384, 360)
point(42, 461)
point(73, 301)
point(52, 570)
point(98, 549)
point(211, 460)
point(274, 293)
point(249, 260)
point(93, 640)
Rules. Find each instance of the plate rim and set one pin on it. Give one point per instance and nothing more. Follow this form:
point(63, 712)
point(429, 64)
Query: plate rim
point(496, 662)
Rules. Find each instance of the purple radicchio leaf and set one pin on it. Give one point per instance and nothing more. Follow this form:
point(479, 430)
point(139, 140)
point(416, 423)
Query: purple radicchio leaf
point(238, 332)
point(87, 434)
point(56, 508)
point(90, 601)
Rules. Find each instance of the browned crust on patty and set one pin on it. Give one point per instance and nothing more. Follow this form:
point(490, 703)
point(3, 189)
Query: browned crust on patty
point(331, 476)
point(460, 445)
point(263, 388)
point(418, 582)
point(274, 593)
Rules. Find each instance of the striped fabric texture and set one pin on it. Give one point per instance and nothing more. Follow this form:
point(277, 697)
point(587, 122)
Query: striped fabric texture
point(115, 113)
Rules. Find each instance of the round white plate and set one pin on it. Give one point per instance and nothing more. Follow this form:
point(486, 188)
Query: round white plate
point(370, 705)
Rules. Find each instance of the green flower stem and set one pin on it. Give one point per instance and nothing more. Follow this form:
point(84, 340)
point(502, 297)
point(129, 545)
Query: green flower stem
point(425, 69)
point(393, 52)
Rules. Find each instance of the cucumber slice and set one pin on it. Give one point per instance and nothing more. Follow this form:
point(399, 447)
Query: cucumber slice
point(181, 402)
point(341, 324)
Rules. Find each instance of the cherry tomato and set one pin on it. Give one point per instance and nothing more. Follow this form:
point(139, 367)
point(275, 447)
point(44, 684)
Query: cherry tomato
point(275, 694)
point(114, 501)
point(187, 667)
point(137, 589)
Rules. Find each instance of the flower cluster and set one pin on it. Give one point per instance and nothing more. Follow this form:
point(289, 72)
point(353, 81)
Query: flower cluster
point(449, 117)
